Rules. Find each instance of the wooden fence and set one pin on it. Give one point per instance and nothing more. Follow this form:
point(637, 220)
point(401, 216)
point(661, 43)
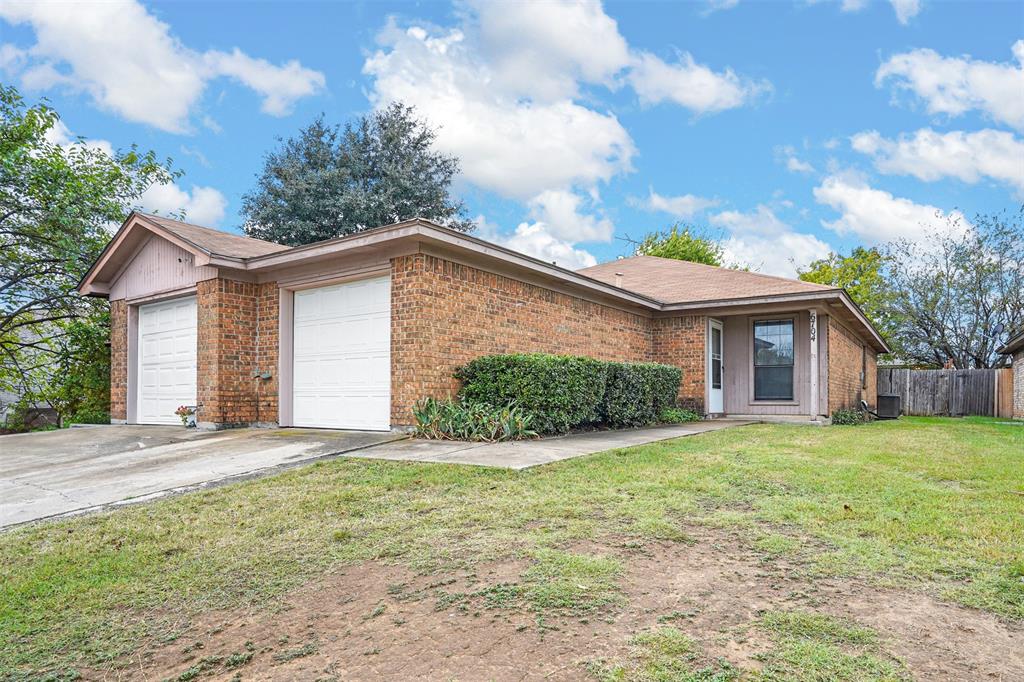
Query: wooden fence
point(950, 392)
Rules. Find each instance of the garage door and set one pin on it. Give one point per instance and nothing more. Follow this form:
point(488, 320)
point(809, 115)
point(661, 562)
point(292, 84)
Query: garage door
point(342, 342)
point(167, 359)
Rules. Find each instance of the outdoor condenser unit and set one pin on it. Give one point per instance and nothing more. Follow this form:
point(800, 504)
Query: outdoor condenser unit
point(888, 407)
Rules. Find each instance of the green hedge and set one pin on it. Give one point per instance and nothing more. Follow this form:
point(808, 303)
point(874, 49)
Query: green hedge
point(563, 392)
point(560, 392)
point(637, 392)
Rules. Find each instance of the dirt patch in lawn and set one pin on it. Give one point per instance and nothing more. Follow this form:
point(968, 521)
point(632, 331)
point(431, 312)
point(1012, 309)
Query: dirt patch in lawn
point(374, 621)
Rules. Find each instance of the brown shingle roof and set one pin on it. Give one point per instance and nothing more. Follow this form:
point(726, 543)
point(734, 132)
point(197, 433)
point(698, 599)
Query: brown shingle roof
point(675, 281)
point(216, 242)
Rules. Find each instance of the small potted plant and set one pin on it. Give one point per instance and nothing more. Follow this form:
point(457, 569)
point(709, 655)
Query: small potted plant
point(187, 414)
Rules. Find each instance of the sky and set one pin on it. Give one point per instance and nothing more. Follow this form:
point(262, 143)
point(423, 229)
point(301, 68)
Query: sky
point(787, 129)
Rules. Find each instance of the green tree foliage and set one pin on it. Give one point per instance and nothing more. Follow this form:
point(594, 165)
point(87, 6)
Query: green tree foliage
point(331, 181)
point(682, 243)
point(80, 388)
point(864, 276)
point(56, 206)
point(960, 293)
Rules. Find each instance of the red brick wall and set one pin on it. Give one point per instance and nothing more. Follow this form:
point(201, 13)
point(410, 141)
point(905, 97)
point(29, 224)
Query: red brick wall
point(444, 314)
point(268, 301)
point(237, 328)
point(845, 386)
point(119, 360)
point(680, 341)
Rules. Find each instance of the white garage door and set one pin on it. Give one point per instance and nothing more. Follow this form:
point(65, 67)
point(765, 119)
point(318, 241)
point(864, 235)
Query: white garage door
point(342, 376)
point(167, 359)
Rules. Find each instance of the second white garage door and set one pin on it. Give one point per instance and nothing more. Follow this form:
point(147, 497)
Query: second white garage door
point(342, 365)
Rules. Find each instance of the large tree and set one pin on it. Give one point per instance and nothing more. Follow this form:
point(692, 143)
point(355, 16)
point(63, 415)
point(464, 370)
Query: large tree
point(864, 275)
point(57, 203)
point(959, 293)
point(682, 243)
point(331, 181)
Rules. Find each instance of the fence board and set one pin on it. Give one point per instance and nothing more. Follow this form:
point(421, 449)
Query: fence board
point(949, 392)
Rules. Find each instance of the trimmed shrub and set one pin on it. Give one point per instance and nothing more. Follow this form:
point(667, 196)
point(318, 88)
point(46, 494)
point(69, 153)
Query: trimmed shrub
point(560, 392)
point(637, 392)
point(564, 392)
point(848, 417)
point(464, 420)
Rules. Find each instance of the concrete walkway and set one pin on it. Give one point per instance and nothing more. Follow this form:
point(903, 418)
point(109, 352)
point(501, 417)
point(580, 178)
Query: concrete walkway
point(530, 453)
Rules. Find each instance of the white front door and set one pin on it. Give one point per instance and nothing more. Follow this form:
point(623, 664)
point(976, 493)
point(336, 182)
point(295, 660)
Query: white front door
point(167, 360)
point(716, 370)
point(342, 356)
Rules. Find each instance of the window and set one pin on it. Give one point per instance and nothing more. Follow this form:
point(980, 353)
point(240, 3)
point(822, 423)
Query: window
point(773, 360)
point(864, 366)
point(716, 358)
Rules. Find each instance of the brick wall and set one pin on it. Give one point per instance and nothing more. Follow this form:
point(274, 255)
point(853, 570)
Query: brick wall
point(237, 336)
point(1018, 385)
point(845, 361)
point(680, 341)
point(118, 360)
point(444, 314)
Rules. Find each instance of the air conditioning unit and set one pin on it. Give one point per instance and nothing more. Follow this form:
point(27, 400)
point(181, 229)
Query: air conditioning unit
point(888, 407)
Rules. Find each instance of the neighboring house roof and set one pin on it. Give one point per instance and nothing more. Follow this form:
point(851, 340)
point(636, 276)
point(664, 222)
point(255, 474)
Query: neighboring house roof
point(1014, 344)
point(655, 285)
point(672, 281)
point(216, 242)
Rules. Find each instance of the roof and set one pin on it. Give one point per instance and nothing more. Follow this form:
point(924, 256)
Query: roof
point(675, 281)
point(1013, 344)
point(216, 242)
point(651, 285)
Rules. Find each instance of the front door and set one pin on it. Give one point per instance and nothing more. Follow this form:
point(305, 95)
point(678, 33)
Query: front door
point(716, 401)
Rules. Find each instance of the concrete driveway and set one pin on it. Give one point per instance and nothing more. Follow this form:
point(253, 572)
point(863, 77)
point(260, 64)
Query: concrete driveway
point(72, 470)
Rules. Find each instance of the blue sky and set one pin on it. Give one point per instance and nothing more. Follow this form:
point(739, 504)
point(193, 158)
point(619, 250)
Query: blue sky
point(787, 128)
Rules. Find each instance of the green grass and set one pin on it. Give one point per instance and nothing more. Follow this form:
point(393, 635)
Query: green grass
point(815, 646)
point(934, 504)
point(664, 654)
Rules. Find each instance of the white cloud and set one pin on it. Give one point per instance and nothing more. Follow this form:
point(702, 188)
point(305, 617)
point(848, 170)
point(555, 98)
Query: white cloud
point(793, 163)
point(129, 63)
point(534, 239)
point(763, 241)
point(559, 212)
point(875, 215)
point(906, 9)
point(691, 85)
point(202, 206)
point(931, 156)
point(719, 5)
point(542, 49)
point(280, 86)
point(956, 85)
point(508, 144)
point(683, 206)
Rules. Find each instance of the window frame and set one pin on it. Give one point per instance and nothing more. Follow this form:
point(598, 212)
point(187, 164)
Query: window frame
point(793, 319)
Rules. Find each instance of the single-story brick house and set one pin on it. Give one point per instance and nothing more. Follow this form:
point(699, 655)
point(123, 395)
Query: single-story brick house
point(350, 332)
point(1014, 347)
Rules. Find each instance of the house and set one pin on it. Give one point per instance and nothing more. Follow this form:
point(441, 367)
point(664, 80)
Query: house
point(350, 332)
point(1014, 347)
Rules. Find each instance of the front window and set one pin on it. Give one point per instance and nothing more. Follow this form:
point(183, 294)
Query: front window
point(773, 360)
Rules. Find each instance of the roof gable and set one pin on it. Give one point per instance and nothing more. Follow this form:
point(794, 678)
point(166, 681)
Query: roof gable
point(208, 246)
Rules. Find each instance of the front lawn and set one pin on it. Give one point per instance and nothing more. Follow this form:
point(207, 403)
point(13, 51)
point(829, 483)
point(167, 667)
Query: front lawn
point(930, 505)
